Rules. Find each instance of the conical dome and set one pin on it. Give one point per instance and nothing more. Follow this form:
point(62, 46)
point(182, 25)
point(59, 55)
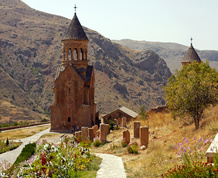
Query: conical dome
point(191, 55)
point(75, 30)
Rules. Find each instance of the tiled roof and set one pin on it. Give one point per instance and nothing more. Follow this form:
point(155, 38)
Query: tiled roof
point(75, 30)
point(191, 55)
point(128, 111)
point(124, 110)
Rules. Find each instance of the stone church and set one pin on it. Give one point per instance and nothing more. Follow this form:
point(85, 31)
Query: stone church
point(74, 86)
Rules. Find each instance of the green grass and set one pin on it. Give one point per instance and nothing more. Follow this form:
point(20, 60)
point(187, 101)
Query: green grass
point(12, 145)
point(91, 172)
point(13, 124)
point(27, 151)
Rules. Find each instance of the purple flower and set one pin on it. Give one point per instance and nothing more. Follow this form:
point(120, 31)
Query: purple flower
point(200, 139)
point(184, 138)
point(187, 141)
point(205, 141)
point(176, 147)
point(201, 148)
point(194, 138)
point(211, 140)
point(180, 143)
point(184, 150)
point(173, 160)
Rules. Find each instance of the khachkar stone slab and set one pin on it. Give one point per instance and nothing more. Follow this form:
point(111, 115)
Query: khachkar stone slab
point(136, 128)
point(85, 133)
point(90, 133)
point(80, 134)
point(126, 136)
point(95, 128)
point(124, 122)
point(76, 134)
point(144, 136)
point(104, 130)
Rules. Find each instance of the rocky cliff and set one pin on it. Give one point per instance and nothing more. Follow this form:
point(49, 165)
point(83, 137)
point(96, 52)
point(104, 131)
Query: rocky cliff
point(31, 50)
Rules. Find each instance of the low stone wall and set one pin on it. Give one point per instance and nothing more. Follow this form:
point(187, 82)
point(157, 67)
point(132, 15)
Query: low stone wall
point(22, 126)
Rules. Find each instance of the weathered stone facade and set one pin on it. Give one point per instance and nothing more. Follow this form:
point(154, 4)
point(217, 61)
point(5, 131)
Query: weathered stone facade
point(74, 86)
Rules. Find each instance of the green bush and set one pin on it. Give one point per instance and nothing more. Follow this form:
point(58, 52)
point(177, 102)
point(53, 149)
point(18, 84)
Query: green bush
point(111, 125)
point(27, 151)
point(123, 143)
point(133, 148)
point(97, 142)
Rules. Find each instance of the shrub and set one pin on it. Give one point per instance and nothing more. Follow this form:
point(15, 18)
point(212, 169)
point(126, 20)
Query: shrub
point(64, 160)
point(124, 143)
point(97, 142)
point(192, 160)
point(116, 127)
point(111, 125)
point(133, 148)
point(7, 142)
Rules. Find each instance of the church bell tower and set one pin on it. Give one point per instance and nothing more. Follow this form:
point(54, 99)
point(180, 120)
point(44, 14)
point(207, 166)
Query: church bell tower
point(74, 85)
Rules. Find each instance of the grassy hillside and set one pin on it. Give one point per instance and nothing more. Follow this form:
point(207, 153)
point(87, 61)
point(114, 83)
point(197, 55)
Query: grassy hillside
point(165, 133)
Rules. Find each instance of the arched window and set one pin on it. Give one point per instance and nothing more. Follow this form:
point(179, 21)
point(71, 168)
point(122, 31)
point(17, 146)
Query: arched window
point(69, 54)
point(75, 56)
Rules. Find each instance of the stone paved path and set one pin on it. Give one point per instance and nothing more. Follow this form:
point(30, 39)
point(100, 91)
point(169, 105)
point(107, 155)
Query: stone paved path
point(111, 166)
point(11, 156)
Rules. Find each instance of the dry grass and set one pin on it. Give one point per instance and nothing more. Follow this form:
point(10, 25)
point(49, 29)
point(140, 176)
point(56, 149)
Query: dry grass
point(164, 134)
point(23, 132)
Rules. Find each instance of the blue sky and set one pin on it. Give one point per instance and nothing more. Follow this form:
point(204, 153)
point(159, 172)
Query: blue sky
point(144, 20)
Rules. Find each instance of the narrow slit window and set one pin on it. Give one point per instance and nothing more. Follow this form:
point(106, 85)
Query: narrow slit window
point(69, 119)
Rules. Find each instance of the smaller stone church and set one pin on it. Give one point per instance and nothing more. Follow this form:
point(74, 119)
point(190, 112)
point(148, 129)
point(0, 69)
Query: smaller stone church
point(74, 86)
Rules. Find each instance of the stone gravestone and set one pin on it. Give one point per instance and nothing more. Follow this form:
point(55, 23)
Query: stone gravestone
point(136, 128)
point(90, 133)
point(123, 121)
point(80, 134)
point(144, 136)
point(95, 128)
point(104, 130)
point(85, 133)
point(76, 134)
point(126, 136)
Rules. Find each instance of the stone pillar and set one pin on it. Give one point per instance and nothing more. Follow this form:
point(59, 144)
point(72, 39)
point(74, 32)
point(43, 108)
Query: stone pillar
point(104, 130)
point(126, 136)
point(136, 129)
point(80, 134)
point(123, 121)
point(76, 134)
point(144, 136)
point(90, 133)
point(85, 133)
point(95, 128)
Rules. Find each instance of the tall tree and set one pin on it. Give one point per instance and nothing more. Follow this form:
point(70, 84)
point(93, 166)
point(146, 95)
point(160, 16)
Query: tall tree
point(191, 90)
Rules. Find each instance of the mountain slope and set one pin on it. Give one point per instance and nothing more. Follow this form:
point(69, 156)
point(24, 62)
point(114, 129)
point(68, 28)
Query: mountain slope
point(31, 51)
point(172, 53)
